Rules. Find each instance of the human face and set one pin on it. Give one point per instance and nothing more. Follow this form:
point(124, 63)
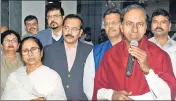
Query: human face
point(31, 53)
point(112, 25)
point(32, 26)
point(10, 43)
point(134, 25)
point(71, 30)
point(54, 19)
point(160, 25)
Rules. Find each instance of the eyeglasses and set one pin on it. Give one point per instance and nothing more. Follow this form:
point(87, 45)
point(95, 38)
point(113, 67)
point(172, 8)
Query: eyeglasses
point(53, 16)
point(113, 23)
point(131, 24)
point(33, 50)
point(73, 29)
point(10, 41)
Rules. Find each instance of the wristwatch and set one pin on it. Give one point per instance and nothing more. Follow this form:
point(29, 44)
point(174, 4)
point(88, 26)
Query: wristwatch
point(146, 73)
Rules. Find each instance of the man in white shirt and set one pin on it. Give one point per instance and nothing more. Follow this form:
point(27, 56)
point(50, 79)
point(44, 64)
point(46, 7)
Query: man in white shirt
point(31, 24)
point(160, 27)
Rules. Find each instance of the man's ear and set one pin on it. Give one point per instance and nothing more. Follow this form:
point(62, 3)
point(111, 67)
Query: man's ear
point(170, 27)
point(81, 32)
point(121, 28)
point(41, 53)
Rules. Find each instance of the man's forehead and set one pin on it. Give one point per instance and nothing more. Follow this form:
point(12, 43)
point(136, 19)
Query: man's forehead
point(54, 11)
point(160, 17)
point(134, 14)
point(31, 21)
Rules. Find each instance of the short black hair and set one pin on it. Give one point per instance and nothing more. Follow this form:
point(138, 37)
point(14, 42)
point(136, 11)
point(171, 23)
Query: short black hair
point(54, 6)
point(162, 12)
point(9, 32)
point(74, 16)
point(112, 10)
point(30, 17)
point(29, 38)
point(133, 6)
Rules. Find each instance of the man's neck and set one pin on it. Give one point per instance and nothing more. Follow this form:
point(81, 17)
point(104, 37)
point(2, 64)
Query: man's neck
point(70, 45)
point(57, 31)
point(162, 39)
point(115, 40)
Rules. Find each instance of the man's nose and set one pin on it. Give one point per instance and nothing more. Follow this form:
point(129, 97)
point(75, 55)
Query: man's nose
point(135, 28)
point(158, 24)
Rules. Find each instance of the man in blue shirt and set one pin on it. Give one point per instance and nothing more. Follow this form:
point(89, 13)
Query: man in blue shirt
point(112, 24)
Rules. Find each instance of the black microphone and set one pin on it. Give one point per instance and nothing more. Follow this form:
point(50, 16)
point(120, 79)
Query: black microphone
point(131, 59)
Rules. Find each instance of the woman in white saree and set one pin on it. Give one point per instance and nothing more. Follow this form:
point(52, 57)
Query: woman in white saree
point(33, 81)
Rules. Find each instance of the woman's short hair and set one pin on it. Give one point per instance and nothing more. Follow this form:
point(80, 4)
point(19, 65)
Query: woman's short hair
point(30, 38)
point(9, 32)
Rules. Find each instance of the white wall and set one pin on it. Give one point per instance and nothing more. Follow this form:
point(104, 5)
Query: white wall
point(152, 5)
point(70, 7)
point(36, 8)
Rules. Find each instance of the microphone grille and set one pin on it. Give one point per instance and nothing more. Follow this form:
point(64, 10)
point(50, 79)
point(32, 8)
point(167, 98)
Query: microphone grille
point(134, 43)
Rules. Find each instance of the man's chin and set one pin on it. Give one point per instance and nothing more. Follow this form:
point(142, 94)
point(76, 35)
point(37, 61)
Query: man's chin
point(54, 27)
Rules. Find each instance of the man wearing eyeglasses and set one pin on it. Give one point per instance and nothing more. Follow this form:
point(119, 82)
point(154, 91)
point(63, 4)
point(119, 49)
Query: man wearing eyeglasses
point(54, 16)
point(151, 78)
point(67, 57)
point(112, 24)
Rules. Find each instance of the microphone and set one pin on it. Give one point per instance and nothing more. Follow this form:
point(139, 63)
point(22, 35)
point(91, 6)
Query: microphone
point(131, 59)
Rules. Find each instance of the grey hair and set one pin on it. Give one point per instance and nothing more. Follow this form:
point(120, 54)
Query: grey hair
point(130, 7)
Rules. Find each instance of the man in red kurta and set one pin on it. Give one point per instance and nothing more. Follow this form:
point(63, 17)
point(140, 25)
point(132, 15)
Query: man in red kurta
point(152, 77)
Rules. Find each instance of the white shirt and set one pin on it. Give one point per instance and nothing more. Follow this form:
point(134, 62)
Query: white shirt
point(168, 44)
point(56, 37)
point(43, 82)
point(89, 75)
point(173, 37)
point(172, 53)
point(158, 87)
point(170, 48)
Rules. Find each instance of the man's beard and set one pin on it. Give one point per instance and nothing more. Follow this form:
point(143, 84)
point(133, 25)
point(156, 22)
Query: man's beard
point(54, 25)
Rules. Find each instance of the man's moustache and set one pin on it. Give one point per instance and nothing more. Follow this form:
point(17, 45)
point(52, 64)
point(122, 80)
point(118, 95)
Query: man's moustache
point(53, 22)
point(32, 28)
point(159, 28)
point(69, 35)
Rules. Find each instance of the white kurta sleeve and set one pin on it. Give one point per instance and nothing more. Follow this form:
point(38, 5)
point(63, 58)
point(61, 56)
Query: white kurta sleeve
point(57, 91)
point(158, 87)
point(104, 94)
point(89, 74)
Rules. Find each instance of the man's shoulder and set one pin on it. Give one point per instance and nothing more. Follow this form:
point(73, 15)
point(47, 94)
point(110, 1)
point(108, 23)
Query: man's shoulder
point(53, 46)
point(85, 45)
point(44, 32)
point(101, 44)
point(155, 50)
